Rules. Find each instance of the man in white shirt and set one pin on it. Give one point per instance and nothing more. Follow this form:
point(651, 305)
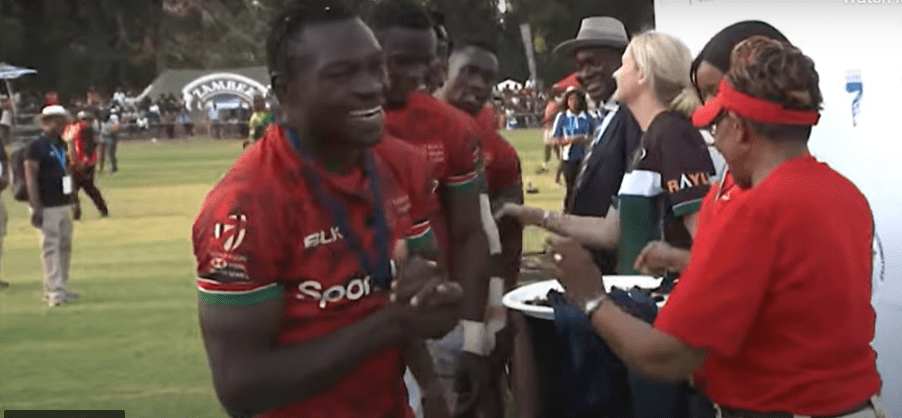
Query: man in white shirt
point(4, 181)
point(213, 115)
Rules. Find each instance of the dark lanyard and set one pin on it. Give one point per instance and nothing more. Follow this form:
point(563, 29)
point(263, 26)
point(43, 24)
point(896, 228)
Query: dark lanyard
point(379, 269)
point(60, 154)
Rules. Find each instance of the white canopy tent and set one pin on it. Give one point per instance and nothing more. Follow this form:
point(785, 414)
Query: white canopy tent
point(509, 85)
point(11, 72)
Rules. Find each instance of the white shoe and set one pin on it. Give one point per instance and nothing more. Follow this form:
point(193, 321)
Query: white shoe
point(56, 300)
point(67, 296)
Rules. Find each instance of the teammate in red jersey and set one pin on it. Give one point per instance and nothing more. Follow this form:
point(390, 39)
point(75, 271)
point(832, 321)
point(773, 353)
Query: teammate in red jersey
point(294, 244)
point(448, 136)
point(473, 70)
point(81, 138)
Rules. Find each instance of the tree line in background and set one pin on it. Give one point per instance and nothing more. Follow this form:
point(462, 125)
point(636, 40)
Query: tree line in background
point(111, 44)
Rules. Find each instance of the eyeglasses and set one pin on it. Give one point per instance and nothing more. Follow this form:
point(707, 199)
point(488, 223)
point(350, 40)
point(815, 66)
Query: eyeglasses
point(713, 128)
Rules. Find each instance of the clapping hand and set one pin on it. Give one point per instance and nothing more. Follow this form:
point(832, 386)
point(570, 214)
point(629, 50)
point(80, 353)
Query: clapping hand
point(575, 269)
point(526, 215)
point(658, 258)
point(431, 305)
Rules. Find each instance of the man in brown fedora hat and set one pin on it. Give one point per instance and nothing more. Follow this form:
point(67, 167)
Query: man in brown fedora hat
point(595, 52)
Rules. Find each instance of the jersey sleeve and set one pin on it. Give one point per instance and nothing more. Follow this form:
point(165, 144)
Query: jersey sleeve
point(238, 248)
point(507, 173)
point(464, 159)
point(424, 203)
point(686, 168)
point(723, 276)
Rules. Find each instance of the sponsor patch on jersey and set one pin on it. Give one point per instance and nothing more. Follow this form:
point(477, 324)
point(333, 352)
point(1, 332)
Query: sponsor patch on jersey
point(435, 152)
point(231, 232)
point(354, 290)
point(228, 267)
point(688, 181)
point(402, 204)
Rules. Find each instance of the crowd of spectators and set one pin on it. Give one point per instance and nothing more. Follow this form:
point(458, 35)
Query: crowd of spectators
point(162, 117)
point(522, 107)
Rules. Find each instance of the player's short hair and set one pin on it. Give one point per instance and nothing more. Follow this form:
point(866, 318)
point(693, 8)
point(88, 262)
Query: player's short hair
point(406, 14)
point(485, 45)
point(779, 72)
point(297, 15)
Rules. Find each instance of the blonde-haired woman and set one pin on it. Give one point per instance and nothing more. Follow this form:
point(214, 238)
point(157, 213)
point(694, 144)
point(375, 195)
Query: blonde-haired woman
point(654, 77)
point(662, 191)
point(667, 179)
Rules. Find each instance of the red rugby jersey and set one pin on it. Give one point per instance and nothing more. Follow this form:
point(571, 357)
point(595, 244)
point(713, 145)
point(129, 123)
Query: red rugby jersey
point(262, 235)
point(80, 134)
point(449, 139)
point(502, 164)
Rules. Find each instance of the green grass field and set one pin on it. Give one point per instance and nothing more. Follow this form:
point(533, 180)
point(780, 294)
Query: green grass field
point(132, 341)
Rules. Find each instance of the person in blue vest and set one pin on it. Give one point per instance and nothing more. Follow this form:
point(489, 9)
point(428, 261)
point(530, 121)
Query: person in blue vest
point(572, 130)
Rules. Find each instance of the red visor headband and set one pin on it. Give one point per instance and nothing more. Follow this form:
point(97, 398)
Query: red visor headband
point(751, 108)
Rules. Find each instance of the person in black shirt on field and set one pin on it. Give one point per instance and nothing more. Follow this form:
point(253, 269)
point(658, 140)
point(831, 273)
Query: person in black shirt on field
point(49, 187)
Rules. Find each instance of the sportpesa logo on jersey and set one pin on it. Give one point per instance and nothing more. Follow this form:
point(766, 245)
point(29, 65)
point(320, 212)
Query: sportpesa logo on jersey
point(355, 289)
point(231, 232)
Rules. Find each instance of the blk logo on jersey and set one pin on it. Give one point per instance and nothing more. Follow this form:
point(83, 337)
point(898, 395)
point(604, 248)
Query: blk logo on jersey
point(322, 238)
point(231, 232)
point(688, 181)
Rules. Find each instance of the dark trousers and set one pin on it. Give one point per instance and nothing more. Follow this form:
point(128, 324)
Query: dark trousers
point(216, 130)
point(111, 150)
point(6, 134)
point(570, 171)
point(83, 178)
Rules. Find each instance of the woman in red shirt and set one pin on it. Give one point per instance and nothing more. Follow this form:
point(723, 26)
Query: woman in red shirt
point(772, 317)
